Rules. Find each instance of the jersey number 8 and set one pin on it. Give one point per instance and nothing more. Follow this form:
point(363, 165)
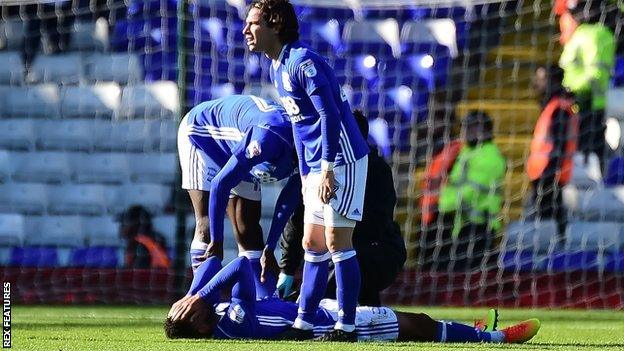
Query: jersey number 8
point(290, 105)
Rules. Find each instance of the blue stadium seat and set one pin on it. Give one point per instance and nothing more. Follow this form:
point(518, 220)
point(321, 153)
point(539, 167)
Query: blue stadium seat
point(95, 101)
point(101, 231)
point(613, 261)
point(618, 72)
point(586, 172)
point(379, 37)
point(86, 199)
point(57, 231)
point(95, 257)
point(11, 70)
point(34, 256)
point(539, 237)
point(614, 106)
point(11, 230)
point(59, 69)
point(67, 134)
point(43, 166)
point(122, 68)
point(519, 261)
point(107, 167)
point(153, 167)
point(603, 204)
point(18, 133)
point(89, 35)
point(320, 13)
point(615, 172)
point(31, 198)
point(573, 261)
point(594, 236)
point(12, 34)
point(150, 100)
point(419, 37)
point(35, 101)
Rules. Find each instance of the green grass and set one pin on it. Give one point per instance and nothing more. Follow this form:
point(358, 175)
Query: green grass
point(140, 328)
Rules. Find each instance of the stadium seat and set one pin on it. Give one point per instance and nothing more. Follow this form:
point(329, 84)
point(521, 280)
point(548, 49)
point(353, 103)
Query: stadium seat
point(84, 199)
point(153, 167)
point(43, 166)
point(168, 135)
point(7, 167)
point(365, 37)
point(97, 101)
point(139, 135)
point(101, 168)
point(166, 225)
point(521, 261)
point(613, 261)
point(614, 103)
point(31, 198)
point(95, 257)
point(12, 34)
point(18, 133)
point(37, 101)
point(60, 231)
point(34, 256)
point(12, 69)
point(59, 69)
point(90, 36)
point(603, 204)
point(538, 236)
point(122, 68)
point(101, 231)
point(66, 135)
point(573, 261)
point(150, 101)
point(594, 236)
point(417, 36)
point(154, 197)
point(586, 173)
point(11, 229)
point(615, 172)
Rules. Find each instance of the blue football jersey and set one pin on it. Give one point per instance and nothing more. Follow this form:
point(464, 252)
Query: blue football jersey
point(245, 126)
point(298, 74)
point(264, 319)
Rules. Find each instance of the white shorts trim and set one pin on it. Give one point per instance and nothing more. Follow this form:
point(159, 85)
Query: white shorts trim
point(371, 323)
point(348, 204)
point(198, 169)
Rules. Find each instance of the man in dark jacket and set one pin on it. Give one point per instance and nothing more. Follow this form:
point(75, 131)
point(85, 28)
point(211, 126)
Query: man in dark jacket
point(145, 247)
point(377, 238)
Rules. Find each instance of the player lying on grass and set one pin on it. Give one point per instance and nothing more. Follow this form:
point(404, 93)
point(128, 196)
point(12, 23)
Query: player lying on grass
point(197, 315)
point(228, 148)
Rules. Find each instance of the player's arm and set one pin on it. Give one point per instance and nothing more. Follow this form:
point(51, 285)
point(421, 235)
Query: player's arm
point(287, 202)
point(232, 173)
point(238, 272)
point(316, 85)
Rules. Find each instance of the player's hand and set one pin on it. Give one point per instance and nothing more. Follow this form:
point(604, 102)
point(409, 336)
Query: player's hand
point(284, 284)
point(215, 248)
point(269, 264)
point(176, 305)
point(186, 308)
point(326, 187)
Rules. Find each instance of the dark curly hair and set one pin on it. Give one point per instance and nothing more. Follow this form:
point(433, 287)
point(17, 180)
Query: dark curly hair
point(181, 329)
point(279, 15)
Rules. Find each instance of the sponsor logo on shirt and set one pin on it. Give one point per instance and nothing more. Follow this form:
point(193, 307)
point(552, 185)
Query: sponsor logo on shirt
point(297, 118)
point(253, 149)
point(308, 68)
point(237, 314)
point(286, 81)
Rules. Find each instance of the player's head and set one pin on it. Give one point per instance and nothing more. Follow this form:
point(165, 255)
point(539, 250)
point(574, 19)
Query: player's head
point(477, 128)
point(200, 325)
point(269, 21)
point(362, 122)
point(135, 220)
point(547, 80)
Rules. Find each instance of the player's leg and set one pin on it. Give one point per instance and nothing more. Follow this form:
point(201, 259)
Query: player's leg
point(244, 215)
point(314, 280)
point(197, 170)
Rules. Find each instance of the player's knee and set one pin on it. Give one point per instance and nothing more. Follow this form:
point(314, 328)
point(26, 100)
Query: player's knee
point(313, 245)
point(338, 243)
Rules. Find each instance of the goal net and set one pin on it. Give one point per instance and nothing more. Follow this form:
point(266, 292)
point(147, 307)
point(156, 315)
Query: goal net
point(91, 92)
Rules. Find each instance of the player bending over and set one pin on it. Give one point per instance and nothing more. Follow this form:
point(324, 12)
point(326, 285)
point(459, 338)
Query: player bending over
point(198, 315)
point(228, 147)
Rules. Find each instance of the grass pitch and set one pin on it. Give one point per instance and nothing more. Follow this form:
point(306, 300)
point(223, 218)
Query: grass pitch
point(140, 328)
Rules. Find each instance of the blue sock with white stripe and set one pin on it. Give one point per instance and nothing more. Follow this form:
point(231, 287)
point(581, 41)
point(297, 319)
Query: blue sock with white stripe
point(457, 332)
point(313, 286)
point(347, 287)
point(198, 250)
point(266, 289)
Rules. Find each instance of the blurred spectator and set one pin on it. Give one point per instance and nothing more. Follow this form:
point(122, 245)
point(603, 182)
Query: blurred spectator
point(549, 165)
point(377, 238)
point(470, 202)
point(587, 60)
point(145, 248)
point(567, 23)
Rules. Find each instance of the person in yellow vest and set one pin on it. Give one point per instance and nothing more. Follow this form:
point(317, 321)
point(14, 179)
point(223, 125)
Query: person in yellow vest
point(145, 247)
point(554, 142)
point(587, 61)
point(470, 201)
